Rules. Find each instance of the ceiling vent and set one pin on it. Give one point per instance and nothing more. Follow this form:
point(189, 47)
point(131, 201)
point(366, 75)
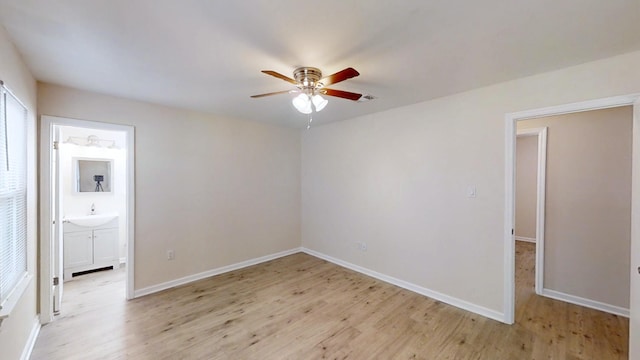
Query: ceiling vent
point(366, 97)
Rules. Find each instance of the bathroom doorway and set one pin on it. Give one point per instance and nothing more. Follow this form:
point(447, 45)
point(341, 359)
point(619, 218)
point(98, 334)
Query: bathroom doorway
point(86, 206)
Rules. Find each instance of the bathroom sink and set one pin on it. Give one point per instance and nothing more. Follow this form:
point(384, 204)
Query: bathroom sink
point(91, 220)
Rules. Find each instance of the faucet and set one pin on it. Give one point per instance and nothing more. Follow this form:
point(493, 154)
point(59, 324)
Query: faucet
point(93, 209)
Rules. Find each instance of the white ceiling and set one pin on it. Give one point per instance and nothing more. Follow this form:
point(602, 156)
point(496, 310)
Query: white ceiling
point(207, 55)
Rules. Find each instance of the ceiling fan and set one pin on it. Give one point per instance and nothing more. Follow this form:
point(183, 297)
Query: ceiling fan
point(311, 85)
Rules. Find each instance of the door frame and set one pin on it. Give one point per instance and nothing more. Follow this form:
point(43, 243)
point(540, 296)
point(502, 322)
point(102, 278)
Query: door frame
point(509, 213)
point(541, 182)
point(47, 124)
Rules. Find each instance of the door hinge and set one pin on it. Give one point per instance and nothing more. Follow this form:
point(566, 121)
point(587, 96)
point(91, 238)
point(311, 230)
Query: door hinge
point(56, 281)
point(512, 231)
point(55, 145)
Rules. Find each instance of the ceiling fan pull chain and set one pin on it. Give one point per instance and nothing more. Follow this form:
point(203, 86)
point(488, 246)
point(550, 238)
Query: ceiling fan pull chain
point(310, 120)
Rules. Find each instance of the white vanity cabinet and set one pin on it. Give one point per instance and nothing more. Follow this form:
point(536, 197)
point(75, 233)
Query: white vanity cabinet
point(90, 247)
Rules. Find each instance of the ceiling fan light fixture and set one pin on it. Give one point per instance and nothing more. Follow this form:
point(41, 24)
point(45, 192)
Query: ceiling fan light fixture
point(302, 103)
point(310, 84)
point(319, 102)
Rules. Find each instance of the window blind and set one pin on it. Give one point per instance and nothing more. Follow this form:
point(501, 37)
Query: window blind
point(13, 192)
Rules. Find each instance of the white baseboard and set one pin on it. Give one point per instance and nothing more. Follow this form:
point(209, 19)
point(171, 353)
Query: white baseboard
point(527, 239)
point(465, 305)
point(612, 309)
point(31, 342)
point(221, 270)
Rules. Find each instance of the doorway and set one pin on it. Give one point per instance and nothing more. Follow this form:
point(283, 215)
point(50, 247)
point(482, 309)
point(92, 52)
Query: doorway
point(586, 242)
point(87, 203)
point(509, 241)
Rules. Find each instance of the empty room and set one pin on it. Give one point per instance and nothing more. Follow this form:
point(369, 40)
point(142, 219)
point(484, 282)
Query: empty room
point(289, 180)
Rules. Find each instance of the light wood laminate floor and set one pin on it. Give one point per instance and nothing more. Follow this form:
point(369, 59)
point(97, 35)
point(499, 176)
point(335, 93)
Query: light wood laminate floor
point(301, 307)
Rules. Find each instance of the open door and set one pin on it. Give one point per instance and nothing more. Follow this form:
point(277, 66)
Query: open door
point(56, 230)
point(634, 303)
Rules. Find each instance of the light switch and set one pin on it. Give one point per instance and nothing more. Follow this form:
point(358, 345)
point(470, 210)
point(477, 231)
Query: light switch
point(471, 191)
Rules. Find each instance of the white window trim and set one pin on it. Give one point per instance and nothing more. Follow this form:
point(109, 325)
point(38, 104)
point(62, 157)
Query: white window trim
point(12, 299)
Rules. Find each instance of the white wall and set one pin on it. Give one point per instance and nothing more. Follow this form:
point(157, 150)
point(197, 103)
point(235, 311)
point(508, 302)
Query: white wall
point(15, 330)
point(526, 186)
point(79, 203)
point(218, 191)
point(397, 180)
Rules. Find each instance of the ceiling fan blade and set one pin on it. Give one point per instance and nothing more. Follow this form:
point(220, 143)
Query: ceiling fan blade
point(342, 94)
point(341, 75)
point(280, 76)
point(271, 93)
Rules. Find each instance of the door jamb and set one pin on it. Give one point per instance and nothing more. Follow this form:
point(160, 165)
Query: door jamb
point(509, 213)
point(46, 238)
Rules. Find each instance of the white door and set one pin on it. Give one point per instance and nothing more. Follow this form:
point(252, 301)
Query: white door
point(56, 202)
point(634, 304)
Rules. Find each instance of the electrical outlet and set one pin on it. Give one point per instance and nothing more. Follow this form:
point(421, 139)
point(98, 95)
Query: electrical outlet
point(362, 246)
point(171, 254)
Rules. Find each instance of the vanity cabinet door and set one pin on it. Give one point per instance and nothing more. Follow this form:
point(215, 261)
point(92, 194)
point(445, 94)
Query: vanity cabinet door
point(78, 248)
point(105, 245)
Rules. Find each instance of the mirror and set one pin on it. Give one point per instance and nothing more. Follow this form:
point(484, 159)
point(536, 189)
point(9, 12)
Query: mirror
point(93, 175)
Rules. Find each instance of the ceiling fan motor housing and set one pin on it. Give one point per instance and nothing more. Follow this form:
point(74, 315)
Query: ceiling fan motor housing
point(308, 77)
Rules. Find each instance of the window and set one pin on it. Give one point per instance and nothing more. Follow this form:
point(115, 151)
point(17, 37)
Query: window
point(13, 195)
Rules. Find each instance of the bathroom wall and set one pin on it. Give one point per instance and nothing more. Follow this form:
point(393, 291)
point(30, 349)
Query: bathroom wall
point(75, 203)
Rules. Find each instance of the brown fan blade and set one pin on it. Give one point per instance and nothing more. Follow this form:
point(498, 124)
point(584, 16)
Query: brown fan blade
point(271, 93)
point(341, 75)
point(280, 76)
point(341, 94)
